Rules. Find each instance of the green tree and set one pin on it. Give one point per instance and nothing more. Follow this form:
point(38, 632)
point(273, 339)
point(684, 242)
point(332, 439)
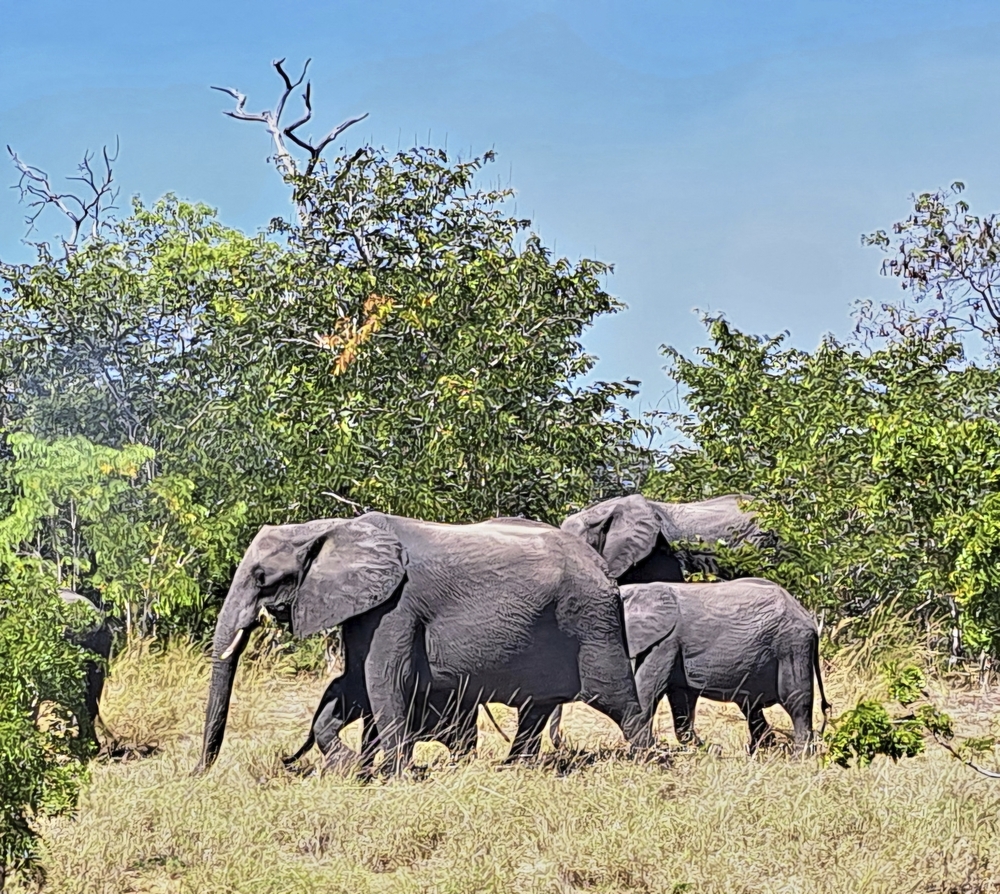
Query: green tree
point(462, 335)
point(404, 344)
point(876, 468)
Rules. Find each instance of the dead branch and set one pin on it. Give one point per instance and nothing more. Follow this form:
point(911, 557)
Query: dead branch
point(272, 120)
point(316, 151)
point(38, 193)
point(358, 508)
point(989, 774)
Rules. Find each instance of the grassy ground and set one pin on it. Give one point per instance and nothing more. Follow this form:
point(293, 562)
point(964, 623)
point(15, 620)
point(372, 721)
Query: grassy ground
point(713, 822)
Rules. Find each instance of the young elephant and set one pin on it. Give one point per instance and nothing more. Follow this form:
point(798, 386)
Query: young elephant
point(644, 541)
point(342, 704)
point(746, 641)
point(346, 700)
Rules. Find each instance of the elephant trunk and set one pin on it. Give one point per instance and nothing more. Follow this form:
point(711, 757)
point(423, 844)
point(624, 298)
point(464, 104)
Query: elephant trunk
point(217, 712)
point(236, 620)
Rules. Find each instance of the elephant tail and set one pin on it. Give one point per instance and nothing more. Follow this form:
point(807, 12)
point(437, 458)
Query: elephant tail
point(493, 720)
point(824, 704)
point(288, 761)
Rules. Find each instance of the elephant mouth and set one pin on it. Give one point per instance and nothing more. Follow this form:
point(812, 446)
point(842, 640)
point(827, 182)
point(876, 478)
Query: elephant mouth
point(280, 612)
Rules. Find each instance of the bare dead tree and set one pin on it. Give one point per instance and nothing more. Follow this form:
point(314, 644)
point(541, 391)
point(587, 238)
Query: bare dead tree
point(98, 198)
point(271, 119)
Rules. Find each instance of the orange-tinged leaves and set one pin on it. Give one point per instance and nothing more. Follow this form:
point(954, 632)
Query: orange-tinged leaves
point(349, 335)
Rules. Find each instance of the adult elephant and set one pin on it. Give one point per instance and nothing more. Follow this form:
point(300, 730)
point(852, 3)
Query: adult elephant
point(746, 641)
point(508, 610)
point(637, 538)
point(96, 638)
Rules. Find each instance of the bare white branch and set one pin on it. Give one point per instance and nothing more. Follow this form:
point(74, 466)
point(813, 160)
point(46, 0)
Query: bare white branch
point(272, 120)
point(989, 774)
point(38, 193)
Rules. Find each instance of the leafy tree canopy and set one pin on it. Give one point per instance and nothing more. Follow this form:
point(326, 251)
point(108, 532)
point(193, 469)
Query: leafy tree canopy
point(877, 469)
point(403, 345)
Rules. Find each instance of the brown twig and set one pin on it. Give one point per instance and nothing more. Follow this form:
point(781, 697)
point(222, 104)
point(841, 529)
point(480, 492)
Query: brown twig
point(989, 774)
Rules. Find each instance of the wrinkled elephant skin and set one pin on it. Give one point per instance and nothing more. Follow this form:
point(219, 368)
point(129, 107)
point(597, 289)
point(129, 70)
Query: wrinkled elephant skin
point(507, 611)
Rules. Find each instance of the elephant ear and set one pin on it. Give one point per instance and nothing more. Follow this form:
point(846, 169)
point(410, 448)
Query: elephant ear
point(350, 568)
point(651, 615)
point(623, 530)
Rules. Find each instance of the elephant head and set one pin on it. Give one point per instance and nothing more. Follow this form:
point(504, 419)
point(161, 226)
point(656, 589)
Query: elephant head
point(314, 575)
point(635, 535)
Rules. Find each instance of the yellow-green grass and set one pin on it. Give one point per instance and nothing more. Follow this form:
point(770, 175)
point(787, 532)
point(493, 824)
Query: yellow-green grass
point(712, 822)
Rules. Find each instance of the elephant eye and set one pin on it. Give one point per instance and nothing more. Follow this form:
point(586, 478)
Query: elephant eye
point(258, 576)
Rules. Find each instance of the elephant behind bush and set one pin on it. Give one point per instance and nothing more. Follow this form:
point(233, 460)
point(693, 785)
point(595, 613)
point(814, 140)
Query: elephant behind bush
point(95, 638)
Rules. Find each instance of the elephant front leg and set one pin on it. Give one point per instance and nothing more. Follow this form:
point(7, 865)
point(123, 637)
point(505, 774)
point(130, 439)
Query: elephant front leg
point(683, 702)
point(388, 671)
point(369, 744)
point(555, 728)
point(652, 680)
point(461, 733)
point(337, 707)
point(337, 756)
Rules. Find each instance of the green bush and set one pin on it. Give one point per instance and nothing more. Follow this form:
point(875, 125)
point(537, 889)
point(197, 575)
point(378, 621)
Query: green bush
point(42, 714)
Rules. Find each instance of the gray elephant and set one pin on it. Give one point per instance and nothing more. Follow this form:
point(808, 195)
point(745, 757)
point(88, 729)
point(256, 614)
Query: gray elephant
point(637, 538)
point(508, 611)
point(635, 535)
point(95, 638)
point(746, 641)
point(346, 700)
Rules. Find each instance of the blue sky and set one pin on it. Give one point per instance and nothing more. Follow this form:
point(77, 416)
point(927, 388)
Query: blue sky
point(722, 155)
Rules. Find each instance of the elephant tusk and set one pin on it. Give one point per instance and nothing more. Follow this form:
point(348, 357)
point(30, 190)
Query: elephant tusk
point(232, 646)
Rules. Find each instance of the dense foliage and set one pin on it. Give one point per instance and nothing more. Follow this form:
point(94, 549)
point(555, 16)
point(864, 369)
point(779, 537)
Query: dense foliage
point(42, 749)
point(167, 384)
point(877, 468)
point(405, 346)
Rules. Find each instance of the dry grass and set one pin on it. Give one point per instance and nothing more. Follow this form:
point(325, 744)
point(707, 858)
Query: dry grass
point(713, 822)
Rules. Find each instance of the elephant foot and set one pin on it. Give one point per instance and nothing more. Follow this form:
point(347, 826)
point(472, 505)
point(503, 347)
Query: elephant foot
point(657, 755)
point(513, 761)
point(300, 771)
point(342, 762)
point(386, 774)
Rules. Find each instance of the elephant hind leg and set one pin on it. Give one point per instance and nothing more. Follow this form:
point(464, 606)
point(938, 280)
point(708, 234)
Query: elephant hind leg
point(761, 734)
point(795, 695)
